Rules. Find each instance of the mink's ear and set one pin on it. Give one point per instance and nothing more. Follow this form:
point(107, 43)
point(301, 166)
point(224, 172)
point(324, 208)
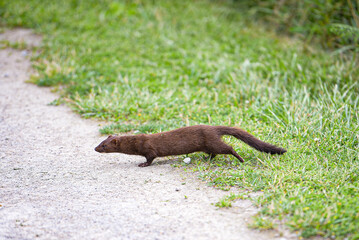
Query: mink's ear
point(115, 141)
point(109, 136)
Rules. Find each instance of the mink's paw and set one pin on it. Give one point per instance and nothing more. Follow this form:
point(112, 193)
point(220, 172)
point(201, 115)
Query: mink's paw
point(145, 164)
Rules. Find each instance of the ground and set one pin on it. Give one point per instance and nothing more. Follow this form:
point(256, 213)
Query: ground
point(53, 185)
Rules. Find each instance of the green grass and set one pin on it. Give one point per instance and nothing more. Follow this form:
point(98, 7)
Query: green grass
point(226, 202)
point(14, 45)
point(151, 66)
point(333, 24)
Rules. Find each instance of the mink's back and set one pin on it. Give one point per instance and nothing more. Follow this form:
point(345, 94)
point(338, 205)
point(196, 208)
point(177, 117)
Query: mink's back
point(183, 140)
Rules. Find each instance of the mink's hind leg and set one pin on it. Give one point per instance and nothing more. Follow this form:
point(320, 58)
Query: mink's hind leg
point(210, 156)
point(226, 149)
point(234, 153)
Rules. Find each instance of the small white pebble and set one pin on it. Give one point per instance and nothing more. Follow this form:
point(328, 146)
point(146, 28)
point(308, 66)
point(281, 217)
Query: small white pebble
point(187, 160)
point(316, 139)
point(24, 53)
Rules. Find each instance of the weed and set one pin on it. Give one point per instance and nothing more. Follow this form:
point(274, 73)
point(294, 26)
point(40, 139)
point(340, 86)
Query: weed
point(226, 201)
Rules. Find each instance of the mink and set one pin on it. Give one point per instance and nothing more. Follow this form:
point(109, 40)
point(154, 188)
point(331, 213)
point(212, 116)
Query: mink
point(199, 138)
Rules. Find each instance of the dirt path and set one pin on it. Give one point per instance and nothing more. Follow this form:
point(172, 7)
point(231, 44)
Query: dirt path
point(54, 186)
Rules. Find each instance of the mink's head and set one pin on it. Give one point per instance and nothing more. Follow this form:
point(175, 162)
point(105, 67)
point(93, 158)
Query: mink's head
point(108, 145)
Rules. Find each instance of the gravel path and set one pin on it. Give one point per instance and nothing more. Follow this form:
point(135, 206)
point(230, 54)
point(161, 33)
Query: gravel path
point(53, 185)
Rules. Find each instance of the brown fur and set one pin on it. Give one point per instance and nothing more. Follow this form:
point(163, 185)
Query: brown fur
point(200, 138)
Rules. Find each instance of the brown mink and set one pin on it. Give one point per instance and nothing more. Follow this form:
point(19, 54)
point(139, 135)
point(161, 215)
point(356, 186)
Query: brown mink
point(199, 138)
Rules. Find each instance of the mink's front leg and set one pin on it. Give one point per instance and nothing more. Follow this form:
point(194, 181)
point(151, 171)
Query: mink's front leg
point(149, 158)
point(145, 164)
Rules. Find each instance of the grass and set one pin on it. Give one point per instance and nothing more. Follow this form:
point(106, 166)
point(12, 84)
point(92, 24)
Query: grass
point(15, 45)
point(226, 202)
point(151, 66)
point(334, 24)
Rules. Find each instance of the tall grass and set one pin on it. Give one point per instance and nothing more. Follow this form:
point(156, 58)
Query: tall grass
point(319, 20)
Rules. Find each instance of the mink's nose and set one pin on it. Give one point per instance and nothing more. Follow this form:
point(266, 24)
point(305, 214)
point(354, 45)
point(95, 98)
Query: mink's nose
point(97, 149)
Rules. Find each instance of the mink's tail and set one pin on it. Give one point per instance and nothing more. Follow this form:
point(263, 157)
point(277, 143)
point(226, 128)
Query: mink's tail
point(251, 140)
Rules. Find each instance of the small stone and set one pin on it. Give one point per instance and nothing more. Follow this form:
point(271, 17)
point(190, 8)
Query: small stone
point(24, 53)
point(187, 160)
